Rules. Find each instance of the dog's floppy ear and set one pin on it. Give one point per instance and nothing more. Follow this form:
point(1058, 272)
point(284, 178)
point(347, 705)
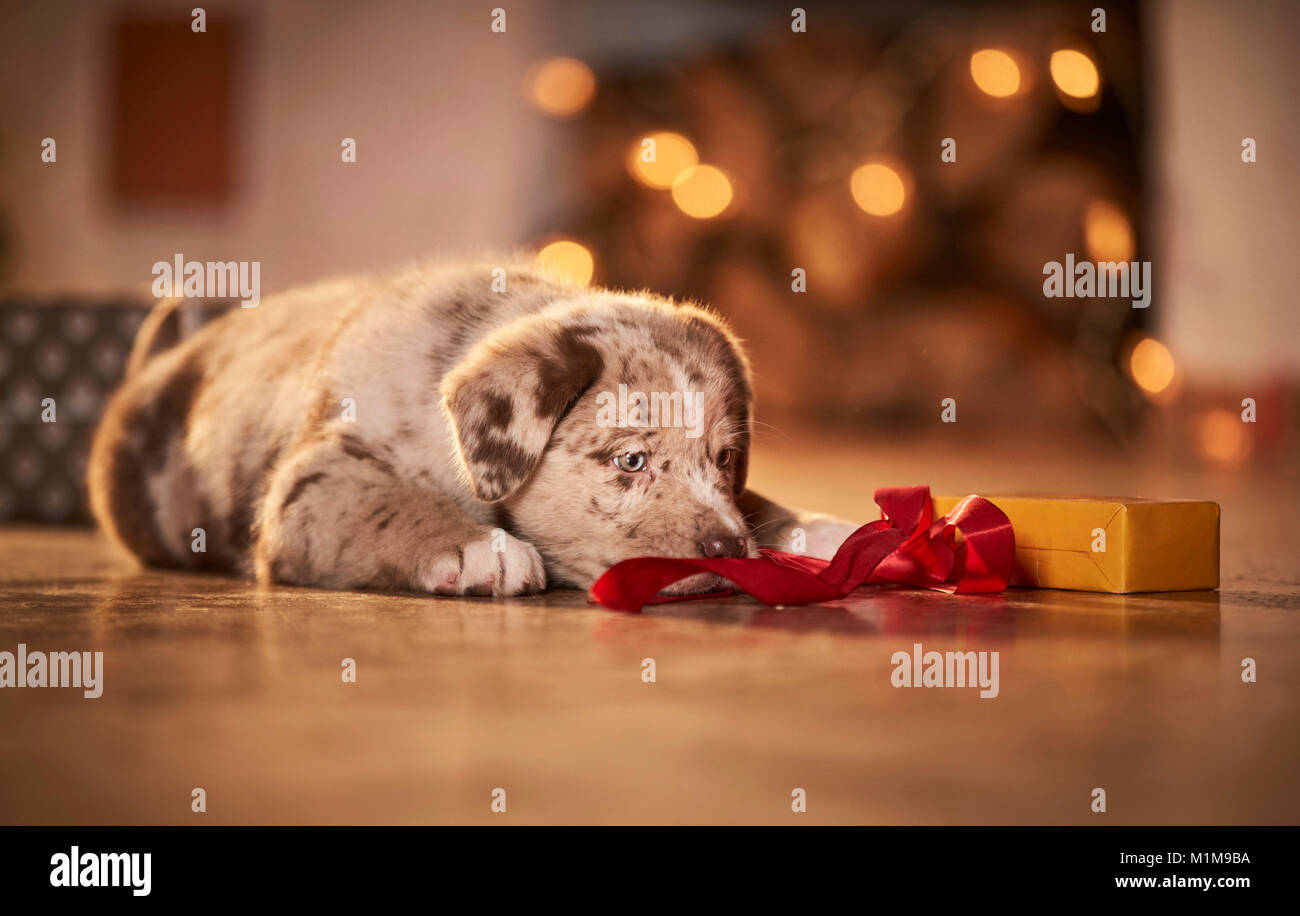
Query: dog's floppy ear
point(507, 395)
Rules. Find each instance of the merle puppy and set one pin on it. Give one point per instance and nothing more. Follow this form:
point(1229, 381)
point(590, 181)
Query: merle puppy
point(439, 429)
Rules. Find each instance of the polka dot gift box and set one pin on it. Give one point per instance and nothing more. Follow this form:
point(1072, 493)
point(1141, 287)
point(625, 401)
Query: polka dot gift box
point(59, 362)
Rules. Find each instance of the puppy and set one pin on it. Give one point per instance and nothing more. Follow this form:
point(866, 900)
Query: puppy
point(432, 431)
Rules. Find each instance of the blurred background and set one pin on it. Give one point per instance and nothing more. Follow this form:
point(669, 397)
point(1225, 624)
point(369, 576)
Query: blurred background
point(870, 192)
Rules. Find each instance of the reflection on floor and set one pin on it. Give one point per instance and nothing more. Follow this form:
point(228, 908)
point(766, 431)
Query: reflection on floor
point(218, 684)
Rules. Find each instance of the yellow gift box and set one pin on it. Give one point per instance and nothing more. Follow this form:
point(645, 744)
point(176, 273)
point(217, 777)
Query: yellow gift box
point(1110, 545)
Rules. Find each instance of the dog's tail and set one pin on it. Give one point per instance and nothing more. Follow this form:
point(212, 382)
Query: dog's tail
point(169, 322)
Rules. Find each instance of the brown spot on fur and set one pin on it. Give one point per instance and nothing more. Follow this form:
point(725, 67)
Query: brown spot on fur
point(500, 410)
point(299, 485)
point(500, 463)
point(564, 377)
point(385, 523)
point(355, 448)
point(343, 548)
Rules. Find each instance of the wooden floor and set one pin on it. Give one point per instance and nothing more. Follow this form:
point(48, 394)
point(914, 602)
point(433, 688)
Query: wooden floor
point(218, 684)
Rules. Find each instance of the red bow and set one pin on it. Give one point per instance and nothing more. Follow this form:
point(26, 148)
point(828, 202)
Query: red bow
point(906, 547)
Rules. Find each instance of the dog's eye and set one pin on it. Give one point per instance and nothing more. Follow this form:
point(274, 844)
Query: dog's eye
point(726, 458)
point(631, 462)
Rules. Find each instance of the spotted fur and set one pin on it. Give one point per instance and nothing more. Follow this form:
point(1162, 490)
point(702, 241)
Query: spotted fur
point(423, 431)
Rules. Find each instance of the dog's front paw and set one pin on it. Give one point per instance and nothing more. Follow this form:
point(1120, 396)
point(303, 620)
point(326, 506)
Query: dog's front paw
point(497, 564)
point(821, 537)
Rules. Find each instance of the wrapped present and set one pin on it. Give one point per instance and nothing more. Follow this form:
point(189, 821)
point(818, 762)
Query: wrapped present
point(1110, 545)
point(59, 361)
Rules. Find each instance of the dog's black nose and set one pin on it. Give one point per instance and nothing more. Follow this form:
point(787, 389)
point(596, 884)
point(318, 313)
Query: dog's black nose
point(722, 545)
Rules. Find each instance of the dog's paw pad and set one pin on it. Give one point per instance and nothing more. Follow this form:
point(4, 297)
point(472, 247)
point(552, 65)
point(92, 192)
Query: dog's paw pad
point(494, 565)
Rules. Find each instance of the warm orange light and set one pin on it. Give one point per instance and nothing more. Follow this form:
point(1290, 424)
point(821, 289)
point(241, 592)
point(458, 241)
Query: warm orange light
point(878, 189)
point(1224, 438)
point(830, 241)
point(1108, 233)
point(1075, 74)
point(1152, 365)
point(702, 191)
point(567, 261)
point(995, 73)
point(658, 158)
point(562, 86)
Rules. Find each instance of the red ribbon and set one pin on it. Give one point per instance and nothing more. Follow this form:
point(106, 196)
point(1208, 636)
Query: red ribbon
point(966, 552)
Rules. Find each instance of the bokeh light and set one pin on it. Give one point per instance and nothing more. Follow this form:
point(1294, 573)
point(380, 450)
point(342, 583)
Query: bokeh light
point(672, 155)
point(1152, 366)
point(702, 191)
point(995, 73)
point(1224, 439)
point(562, 86)
point(1107, 232)
point(567, 261)
point(1075, 74)
point(828, 237)
point(878, 189)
